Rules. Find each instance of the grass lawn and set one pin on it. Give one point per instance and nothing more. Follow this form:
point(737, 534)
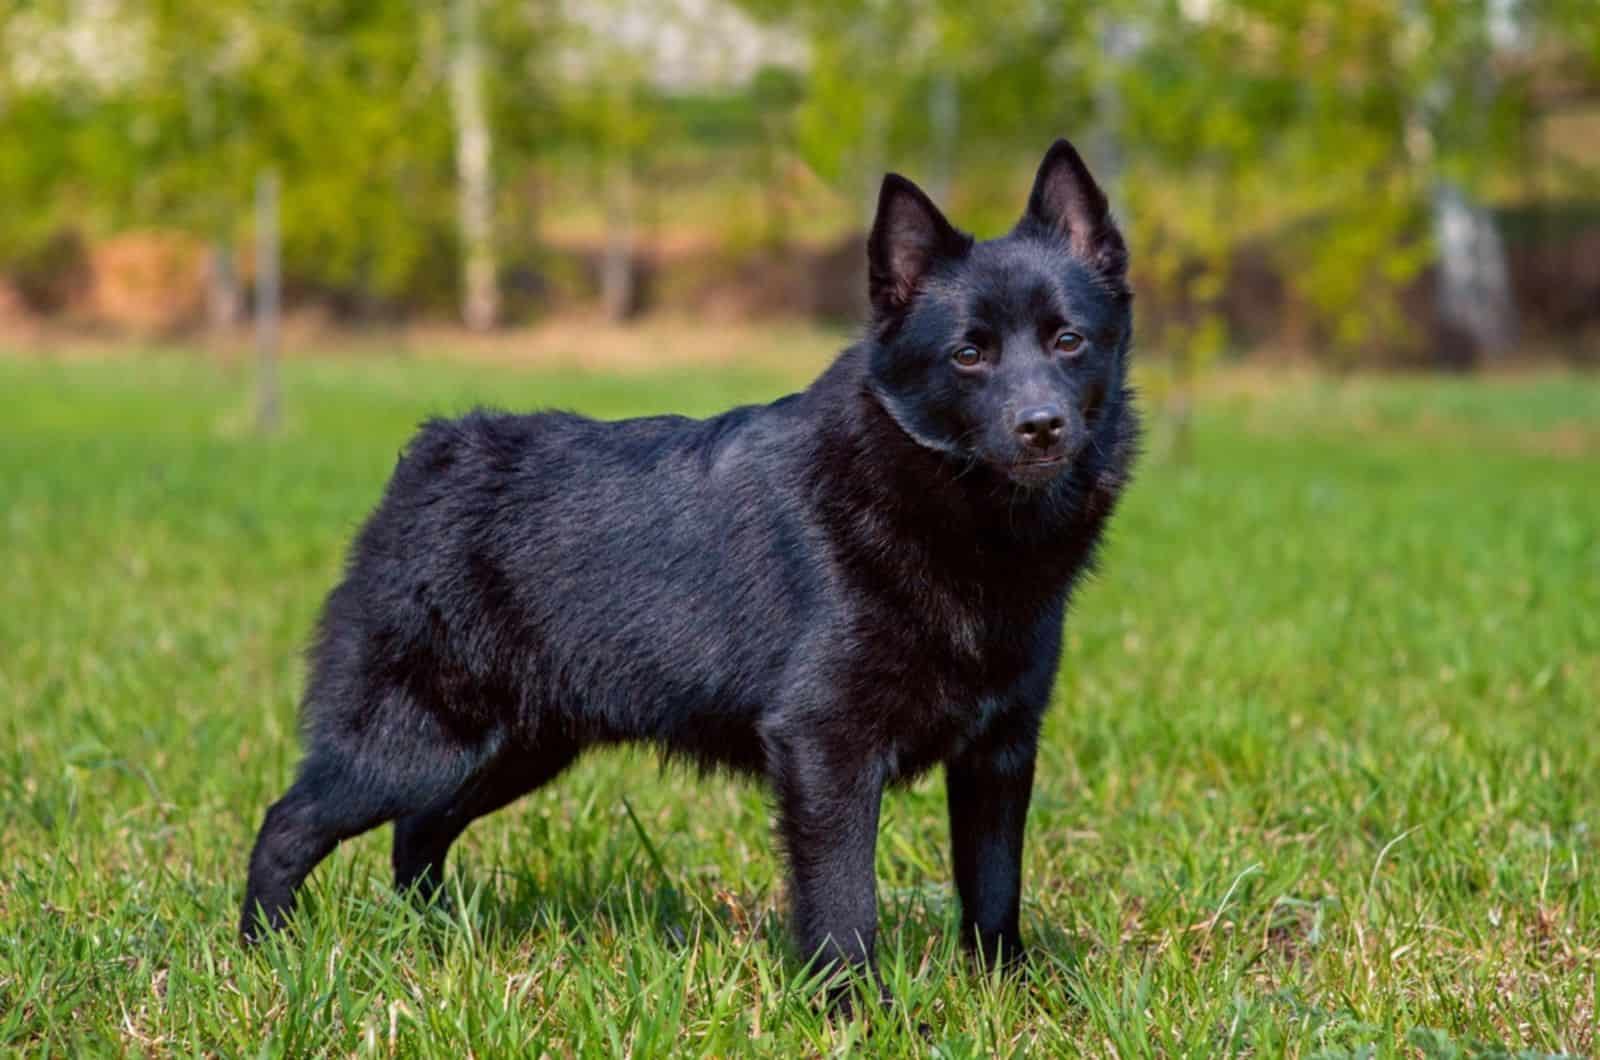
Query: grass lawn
point(1322, 776)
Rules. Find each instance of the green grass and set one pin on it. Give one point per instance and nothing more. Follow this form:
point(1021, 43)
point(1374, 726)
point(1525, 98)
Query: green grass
point(1322, 776)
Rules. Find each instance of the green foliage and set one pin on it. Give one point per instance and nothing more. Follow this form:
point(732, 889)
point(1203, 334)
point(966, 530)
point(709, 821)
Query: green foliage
point(1312, 132)
point(346, 100)
point(1316, 130)
point(1320, 778)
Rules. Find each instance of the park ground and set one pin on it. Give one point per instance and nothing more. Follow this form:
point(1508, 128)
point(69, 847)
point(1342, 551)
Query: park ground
point(1321, 778)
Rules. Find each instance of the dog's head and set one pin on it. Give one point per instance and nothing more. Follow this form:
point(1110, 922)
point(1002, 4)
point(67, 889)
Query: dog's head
point(1008, 352)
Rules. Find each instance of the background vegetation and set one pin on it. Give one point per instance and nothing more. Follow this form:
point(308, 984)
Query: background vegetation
point(1355, 181)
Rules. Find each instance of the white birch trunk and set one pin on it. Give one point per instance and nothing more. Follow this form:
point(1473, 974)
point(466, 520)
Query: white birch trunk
point(1475, 302)
point(480, 297)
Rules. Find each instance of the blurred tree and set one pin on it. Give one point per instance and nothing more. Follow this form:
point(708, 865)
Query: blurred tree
point(480, 299)
point(351, 101)
point(610, 106)
point(1342, 147)
point(1355, 141)
point(70, 137)
point(1451, 135)
point(893, 84)
point(775, 94)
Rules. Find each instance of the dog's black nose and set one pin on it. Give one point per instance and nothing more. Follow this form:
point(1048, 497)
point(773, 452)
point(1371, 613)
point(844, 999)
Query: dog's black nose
point(1041, 425)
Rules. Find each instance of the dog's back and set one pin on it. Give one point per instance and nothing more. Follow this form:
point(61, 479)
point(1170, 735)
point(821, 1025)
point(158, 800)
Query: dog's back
point(535, 573)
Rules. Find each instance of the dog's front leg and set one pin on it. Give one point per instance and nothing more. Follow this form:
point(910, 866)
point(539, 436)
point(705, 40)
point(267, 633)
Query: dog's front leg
point(828, 801)
point(988, 789)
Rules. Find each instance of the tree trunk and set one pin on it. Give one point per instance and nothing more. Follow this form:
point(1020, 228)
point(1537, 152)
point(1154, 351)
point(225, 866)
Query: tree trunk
point(1119, 43)
point(619, 289)
point(874, 152)
point(1475, 308)
point(223, 300)
point(944, 115)
point(267, 400)
point(1477, 312)
point(480, 297)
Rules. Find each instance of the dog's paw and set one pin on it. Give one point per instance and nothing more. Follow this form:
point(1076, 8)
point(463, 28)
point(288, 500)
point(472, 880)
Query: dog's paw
point(1002, 951)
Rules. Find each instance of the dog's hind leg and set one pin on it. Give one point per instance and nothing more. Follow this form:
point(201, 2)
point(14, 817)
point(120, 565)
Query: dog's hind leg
point(324, 806)
point(421, 840)
point(345, 789)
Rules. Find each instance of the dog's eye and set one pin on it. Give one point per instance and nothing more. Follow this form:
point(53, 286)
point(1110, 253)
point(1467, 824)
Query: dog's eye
point(967, 357)
point(1069, 342)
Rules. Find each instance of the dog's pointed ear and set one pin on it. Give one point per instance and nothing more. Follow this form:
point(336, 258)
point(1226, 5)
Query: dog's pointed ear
point(1067, 202)
point(909, 236)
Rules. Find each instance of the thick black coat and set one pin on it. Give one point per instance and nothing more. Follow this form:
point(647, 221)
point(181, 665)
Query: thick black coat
point(836, 591)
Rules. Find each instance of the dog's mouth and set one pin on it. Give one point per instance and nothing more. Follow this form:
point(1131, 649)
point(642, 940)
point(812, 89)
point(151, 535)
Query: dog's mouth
point(1037, 471)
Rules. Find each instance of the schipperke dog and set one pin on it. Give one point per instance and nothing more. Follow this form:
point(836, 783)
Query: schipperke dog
point(836, 592)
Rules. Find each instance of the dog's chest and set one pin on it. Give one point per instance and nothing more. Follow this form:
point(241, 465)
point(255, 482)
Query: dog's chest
point(940, 735)
point(948, 693)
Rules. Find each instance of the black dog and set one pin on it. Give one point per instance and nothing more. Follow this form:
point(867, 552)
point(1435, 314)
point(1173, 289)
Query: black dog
point(836, 591)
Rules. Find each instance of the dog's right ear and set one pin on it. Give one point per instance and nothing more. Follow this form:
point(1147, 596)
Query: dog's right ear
point(909, 236)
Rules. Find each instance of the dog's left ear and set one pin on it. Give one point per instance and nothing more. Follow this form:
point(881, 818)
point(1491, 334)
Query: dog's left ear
point(1067, 201)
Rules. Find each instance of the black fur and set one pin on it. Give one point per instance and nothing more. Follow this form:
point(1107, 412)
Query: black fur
point(836, 591)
